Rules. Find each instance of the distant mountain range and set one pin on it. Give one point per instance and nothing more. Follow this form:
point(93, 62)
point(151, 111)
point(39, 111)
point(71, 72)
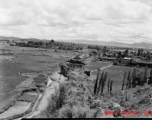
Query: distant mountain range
point(118, 44)
point(92, 42)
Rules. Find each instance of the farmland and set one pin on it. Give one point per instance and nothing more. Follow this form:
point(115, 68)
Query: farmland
point(115, 73)
point(95, 65)
point(23, 60)
point(30, 76)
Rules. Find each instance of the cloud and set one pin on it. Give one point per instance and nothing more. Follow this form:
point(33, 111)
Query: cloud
point(90, 19)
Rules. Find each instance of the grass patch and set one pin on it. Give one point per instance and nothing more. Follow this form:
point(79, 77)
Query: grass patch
point(27, 97)
point(95, 65)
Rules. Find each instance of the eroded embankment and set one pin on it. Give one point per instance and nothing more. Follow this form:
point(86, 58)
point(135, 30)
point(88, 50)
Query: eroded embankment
point(52, 86)
point(29, 97)
point(21, 105)
point(23, 101)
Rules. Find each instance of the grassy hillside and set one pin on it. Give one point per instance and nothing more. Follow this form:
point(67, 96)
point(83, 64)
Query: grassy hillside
point(74, 100)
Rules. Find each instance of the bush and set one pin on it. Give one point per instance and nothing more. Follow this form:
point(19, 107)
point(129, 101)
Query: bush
point(75, 111)
point(65, 112)
point(56, 102)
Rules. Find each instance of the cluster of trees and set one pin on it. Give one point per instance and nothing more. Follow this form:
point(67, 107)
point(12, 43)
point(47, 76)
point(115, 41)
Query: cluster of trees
point(97, 51)
point(140, 52)
point(94, 47)
point(143, 55)
point(56, 102)
point(98, 48)
point(50, 44)
point(100, 83)
point(69, 46)
point(36, 44)
point(136, 78)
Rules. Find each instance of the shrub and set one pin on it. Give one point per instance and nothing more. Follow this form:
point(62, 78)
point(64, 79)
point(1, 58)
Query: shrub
point(56, 102)
point(65, 112)
point(75, 111)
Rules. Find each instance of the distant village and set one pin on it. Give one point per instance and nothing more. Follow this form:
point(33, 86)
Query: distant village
point(46, 44)
point(119, 56)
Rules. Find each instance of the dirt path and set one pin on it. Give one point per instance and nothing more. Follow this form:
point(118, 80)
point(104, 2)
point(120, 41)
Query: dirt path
point(102, 68)
point(43, 101)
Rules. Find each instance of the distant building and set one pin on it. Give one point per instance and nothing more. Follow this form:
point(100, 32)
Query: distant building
point(4, 41)
point(107, 58)
point(142, 64)
point(109, 54)
point(76, 62)
point(127, 59)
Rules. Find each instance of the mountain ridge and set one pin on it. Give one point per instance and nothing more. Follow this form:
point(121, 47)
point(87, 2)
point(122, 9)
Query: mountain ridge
point(92, 42)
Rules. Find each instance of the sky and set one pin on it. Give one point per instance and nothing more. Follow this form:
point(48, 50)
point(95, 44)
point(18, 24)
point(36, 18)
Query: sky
point(127, 21)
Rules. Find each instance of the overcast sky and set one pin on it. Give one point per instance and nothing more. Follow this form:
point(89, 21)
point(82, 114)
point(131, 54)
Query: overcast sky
point(106, 20)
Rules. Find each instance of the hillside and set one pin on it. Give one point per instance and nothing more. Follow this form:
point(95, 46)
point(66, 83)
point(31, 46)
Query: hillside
point(79, 103)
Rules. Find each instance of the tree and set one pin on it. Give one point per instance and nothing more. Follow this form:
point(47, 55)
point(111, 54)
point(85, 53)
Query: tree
point(127, 84)
point(103, 82)
point(141, 52)
point(64, 70)
point(129, 79)
point(141, 77)
point(148, 57)
point(111, 83)
point(138, 52)
point(134, 78)
point(123, 81)
point(52, 41)
point(119, 54)
point(100, 83)
point(108, 86)
point(96, 83)
point(126, 53)
point(150, 78)
point(138, 79)
point(104, 50)
point(145, 74)
point(95, 53)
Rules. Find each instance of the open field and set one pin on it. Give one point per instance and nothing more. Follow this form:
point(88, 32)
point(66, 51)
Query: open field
point(27, 97)
point(26, 60)
point(94, 65)
point(29, 74)
point(114, 74)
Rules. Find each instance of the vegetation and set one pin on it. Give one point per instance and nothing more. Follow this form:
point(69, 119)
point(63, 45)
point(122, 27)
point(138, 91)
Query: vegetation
point(56, 102)
point(70, 101)
point(123, 84)
point(100, 83)
point(50, 44)
point(64, 70)
point(136, 78)
point(73, 100)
